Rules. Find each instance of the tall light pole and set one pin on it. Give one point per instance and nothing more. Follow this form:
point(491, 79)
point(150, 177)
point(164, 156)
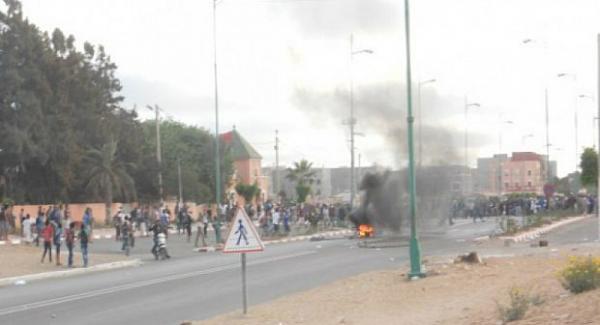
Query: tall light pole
point(528, 41)
point(157, 110)
point(594, 130)
point(574, 78)
point(467, 106)
point(217, 149)
point(179, 180)
point(277, 182)
point(598, 129)
point(419, 112)
point(352, 121)
point(415, 249)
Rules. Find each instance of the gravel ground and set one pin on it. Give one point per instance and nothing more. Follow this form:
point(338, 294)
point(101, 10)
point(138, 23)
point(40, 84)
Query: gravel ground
point(18, 260)
point(452, 294)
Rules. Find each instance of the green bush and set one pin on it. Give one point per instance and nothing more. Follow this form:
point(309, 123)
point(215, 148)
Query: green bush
point(519, 304)
point(581, 274)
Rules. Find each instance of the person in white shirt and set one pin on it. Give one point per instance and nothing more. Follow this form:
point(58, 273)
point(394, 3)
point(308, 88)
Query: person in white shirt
point(276, 217)
point(26, 226)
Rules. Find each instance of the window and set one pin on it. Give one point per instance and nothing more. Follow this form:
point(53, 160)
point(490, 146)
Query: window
point(506, 185)
point(516, 185)
point(529, 173)
point(528, 184)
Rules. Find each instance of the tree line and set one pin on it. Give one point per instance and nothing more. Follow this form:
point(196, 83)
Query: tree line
point(65, 135)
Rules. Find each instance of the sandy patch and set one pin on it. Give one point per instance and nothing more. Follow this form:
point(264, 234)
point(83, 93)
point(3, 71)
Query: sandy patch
point(455, 294)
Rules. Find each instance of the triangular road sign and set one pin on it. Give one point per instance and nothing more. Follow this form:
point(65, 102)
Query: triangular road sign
point(243, 237)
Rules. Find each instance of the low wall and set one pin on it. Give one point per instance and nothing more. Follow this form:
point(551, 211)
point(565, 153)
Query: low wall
point(76, 210)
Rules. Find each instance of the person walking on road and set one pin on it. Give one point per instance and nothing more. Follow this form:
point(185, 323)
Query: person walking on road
point(58, 232)
point(126, 231)
point(47, 234)
point(39, 226)
point(70, 240)
point(187, 224)
point(202, 228)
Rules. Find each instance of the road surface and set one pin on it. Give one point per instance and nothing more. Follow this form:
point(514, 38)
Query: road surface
point(193, 286)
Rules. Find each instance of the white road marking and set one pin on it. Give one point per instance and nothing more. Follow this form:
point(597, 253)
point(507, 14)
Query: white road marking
point(140, 284)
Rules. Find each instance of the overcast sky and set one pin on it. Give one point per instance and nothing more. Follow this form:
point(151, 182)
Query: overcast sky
point(284, 64)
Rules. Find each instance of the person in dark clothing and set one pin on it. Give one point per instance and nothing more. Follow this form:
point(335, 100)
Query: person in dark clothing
point(83, 241)
point(70, 241)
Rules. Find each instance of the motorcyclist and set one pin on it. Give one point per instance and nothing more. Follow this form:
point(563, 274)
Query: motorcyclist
point(157, 228)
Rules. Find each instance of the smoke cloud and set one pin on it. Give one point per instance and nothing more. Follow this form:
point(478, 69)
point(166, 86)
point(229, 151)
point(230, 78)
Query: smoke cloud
point(381, 109)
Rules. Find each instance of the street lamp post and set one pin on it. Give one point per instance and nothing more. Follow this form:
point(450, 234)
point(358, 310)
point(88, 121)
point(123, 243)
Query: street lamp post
point(467, 106)
point(574, 77)
point(217, 149)
point(419, 112)
point(546, 107)
point(414, 250)
point(352, 121)
point(157, 110)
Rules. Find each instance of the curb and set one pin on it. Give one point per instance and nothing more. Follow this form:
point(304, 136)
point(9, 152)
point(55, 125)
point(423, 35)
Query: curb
point(207, 249)
point(536, 233)
point(23, 279)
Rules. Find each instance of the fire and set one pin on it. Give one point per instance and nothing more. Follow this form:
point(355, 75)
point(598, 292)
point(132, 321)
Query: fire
point(365, 231)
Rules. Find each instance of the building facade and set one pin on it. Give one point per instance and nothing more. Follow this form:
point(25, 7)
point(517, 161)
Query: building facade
point(246, 163)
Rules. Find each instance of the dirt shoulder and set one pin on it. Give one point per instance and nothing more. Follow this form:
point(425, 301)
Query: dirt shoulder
point(454, 294)
point(16, 260)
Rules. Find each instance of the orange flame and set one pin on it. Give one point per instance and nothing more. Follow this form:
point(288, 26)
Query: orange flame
point(365, 231)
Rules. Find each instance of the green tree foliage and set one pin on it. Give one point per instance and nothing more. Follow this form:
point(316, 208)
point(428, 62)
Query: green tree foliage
point(589, 167)
point(195, 148)
point(108, 176)
point(247, 191)
point(303, 175)
point(58, 103)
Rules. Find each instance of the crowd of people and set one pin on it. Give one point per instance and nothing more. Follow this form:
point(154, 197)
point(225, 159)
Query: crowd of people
point(50, 228)
point(480, 207)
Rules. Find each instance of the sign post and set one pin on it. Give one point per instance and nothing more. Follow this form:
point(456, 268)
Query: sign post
point(243, 238)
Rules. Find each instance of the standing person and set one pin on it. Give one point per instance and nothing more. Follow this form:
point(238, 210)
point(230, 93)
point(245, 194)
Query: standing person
point(125, 233)
point(39, 226)
point(83, 241)
point(26, 229)
point(70, 241)
point(276, 217)
point(88, 221)
point(4, 222)
point(187, 224)
point(117, 223)
point(216, 223)
point(58, 232)
point(286, 221)
point(202, 228)
point(47, 235)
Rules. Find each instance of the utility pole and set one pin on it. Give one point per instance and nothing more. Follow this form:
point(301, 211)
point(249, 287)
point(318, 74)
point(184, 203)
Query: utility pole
point(217, 150)
point(549, 172)
point(156, 110)
point(415, 249)
point(598, 180)
point(352, 123)
point(179, 178)
point(276, 185)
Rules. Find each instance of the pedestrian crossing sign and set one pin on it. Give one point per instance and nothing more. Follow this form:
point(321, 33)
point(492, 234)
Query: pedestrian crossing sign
point(243, 237)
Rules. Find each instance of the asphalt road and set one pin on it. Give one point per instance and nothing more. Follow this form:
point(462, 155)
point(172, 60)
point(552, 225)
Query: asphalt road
point(200, 285)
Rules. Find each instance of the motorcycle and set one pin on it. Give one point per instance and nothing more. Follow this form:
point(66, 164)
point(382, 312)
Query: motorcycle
point(161, 248)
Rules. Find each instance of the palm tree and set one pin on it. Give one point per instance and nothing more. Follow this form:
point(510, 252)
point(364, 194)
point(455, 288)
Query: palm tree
point(303, 175)
point(108, 175)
